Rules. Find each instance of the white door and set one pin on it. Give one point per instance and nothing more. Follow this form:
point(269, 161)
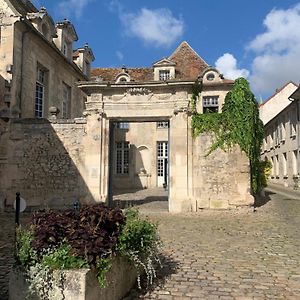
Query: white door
point(162, 163)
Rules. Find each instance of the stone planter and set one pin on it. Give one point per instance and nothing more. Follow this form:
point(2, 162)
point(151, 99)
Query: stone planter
point(82, 284)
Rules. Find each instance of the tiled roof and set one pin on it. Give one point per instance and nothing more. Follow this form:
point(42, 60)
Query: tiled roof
point(189, 65)
point(136, 74)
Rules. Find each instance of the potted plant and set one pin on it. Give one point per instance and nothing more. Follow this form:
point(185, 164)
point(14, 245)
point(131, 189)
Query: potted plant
point(81, 255)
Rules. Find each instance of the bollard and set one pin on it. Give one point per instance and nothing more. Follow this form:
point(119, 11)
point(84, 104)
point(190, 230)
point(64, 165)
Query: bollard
point(17, 218)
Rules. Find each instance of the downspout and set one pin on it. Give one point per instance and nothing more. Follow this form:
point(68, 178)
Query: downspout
point(24, 33)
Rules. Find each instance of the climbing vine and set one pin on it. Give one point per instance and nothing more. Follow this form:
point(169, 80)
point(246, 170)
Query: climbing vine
point(238, 123)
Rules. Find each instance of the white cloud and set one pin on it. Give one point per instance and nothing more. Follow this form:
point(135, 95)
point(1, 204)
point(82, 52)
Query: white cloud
point(277, 51)
point(67, 8)
point(120, 55)
point(227, 65)
point(156, 27)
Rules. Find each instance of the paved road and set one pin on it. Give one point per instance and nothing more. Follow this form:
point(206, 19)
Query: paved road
point(231, 255)
point(215, 254)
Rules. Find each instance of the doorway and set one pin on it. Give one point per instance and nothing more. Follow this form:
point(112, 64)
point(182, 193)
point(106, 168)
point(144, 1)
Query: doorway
point(138, 163)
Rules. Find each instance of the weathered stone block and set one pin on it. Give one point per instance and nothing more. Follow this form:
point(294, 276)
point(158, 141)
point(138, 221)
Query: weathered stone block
point(82, 284)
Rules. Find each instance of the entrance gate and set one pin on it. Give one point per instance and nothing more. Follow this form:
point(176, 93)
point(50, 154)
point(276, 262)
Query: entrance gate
point(109, 103)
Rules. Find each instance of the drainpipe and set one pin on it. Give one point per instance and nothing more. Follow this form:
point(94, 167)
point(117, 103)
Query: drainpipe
point(22, 69)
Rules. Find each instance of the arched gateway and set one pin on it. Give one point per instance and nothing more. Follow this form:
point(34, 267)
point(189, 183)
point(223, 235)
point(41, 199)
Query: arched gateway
point(162, 94)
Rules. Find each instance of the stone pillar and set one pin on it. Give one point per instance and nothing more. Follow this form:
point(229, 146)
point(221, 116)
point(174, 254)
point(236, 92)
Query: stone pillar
point(96, 159)
point(178, 193)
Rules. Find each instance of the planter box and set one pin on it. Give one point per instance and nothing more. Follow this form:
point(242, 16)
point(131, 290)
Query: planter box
point(82, 284)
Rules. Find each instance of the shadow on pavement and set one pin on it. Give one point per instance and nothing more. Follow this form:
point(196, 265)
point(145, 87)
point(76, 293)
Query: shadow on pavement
point(169, 267)
point(262, 200)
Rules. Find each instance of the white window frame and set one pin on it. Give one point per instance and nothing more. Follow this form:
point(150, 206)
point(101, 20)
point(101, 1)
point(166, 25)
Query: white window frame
point(40, 87)
point(164, 75)
point(210, 102)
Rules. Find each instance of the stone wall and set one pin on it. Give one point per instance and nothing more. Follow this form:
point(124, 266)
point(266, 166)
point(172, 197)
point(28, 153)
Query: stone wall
point(221, 180)
point(46, 162)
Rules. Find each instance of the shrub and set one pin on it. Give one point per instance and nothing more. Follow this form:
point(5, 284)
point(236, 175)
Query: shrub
point(140, 242)
point(59, 240)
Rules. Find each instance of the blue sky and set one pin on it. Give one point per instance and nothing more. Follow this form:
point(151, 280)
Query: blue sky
point(259, 40)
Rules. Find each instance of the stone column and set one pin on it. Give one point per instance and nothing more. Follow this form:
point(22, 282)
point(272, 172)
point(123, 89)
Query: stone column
point(178, 198)
point(96, 159)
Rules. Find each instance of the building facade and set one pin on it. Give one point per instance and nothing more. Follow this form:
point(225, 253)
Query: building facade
point(280, 114)
point(69, 137)
point(38, 66)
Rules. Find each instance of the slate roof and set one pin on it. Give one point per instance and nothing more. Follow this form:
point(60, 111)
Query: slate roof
point(189, 65)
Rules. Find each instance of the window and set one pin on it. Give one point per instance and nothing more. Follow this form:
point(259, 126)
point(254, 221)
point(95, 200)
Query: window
point(123, 125)
point(210, 104)
point(210, 76)
point(40, 92)
point(276, 166)
point(66, 49)
point(162, 125)
point(164, 75)
point(66, 101)
point(292, 124)
point(276, 133)
point(273, 166)
point(122, 157)
point(87, 68)
point(284, 166)
point(295, 162)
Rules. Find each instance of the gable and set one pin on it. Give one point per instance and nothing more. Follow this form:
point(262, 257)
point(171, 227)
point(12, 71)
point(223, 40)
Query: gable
point(189, 65)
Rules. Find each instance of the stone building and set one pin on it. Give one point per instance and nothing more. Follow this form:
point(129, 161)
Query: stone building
point(39, 71)
point(280, 115)
point(38, 66)
point(145, 114)
point(56, 149)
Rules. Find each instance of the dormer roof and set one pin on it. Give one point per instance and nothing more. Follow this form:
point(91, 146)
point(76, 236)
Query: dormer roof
point(164, 62)
point(66, 24)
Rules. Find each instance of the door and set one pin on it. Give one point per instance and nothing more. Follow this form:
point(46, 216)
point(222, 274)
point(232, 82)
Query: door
point(162, 164)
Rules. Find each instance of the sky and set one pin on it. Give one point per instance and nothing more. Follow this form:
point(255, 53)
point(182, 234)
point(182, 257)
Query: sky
point(256, 39)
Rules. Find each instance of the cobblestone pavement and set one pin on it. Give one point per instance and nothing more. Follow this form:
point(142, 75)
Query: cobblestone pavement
point(243, 254)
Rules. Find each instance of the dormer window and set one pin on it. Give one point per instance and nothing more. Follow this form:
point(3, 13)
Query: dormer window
point(210, 76)
point(210, 104)
point(123, 77)
point(164, 70)
point(164, 75)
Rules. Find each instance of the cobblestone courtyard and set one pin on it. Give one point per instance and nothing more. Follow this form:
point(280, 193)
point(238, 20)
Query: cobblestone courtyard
point(215, 254)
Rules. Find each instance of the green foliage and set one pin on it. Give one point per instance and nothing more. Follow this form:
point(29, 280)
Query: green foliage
point(265, 167)
point(195, 92)
point(25, 254)
point(60, 240)
point(103, 266)
point(238, 123)
point(62, 258)
point(140, 242)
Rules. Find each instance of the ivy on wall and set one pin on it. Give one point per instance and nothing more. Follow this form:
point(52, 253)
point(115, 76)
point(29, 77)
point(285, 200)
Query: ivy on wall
point(238, 123)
